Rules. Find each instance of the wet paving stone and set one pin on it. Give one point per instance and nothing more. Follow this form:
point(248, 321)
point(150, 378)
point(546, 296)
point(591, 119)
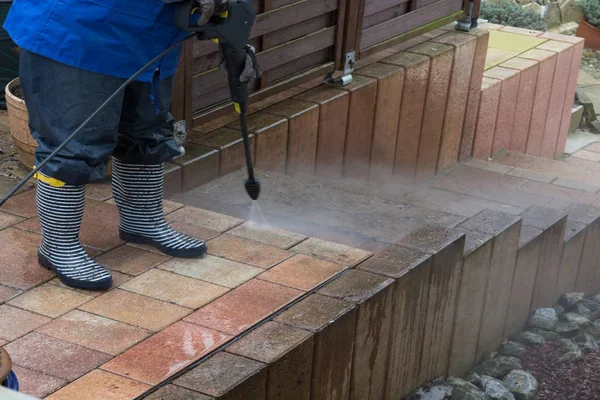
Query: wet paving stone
point(301, 272)
point(135, 309)
point(54, 357)
point(243, 307)
point(247, 252)
point(166, 353)
point(219, 271)
point(225, 376)
point(174, 288)
point(101, 385)
point(287, 351)
point(50, 300)
point(95, 332)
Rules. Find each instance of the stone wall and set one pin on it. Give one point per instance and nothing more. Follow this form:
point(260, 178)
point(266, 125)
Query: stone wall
point(527, 93)
point(426, 307)
point(411, 112)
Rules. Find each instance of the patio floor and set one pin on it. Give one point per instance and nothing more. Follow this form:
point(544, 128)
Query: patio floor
point(162, 314)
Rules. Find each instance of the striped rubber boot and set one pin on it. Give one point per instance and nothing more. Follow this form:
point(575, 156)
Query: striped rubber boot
point(60, 210)
point(138, 192)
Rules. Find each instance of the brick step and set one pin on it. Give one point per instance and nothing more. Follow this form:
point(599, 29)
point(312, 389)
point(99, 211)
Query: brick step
point(527, 92)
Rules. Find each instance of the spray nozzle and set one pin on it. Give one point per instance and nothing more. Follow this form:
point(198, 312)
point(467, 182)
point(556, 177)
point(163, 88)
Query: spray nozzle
point(252, 188)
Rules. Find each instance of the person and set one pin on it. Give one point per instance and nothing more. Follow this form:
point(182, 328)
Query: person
point(73, 55)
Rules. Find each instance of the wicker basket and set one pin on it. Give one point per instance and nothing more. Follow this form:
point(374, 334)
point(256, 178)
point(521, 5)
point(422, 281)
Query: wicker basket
point(19, 126)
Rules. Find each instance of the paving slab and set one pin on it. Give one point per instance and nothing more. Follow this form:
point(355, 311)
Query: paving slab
point(333, 322)
point(373, 295)
point(553, 224)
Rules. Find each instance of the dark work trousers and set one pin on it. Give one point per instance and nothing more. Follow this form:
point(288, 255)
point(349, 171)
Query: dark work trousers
point(132, 127)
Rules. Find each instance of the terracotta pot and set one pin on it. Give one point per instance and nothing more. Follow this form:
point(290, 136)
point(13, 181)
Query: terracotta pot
point(19, 127)
point(7, 376)
point(590, 33)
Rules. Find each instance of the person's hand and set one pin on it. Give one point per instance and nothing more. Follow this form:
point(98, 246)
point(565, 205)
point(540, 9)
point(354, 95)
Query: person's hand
point(210, 8)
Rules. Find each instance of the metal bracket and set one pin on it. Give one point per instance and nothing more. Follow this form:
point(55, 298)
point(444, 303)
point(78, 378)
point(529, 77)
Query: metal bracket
point(180, 134)
point(466, 23)
point(346, 77)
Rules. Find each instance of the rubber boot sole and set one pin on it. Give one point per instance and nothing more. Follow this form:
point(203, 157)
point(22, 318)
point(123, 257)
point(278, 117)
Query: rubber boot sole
point(179, 253)
point(103, 284)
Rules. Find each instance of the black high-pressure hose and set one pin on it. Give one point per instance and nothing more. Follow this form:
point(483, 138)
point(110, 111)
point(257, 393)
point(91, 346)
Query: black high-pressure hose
point(84, 124)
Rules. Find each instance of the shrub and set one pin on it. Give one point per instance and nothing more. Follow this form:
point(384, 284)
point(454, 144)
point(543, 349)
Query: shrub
point(511, 14)
point(590, 10)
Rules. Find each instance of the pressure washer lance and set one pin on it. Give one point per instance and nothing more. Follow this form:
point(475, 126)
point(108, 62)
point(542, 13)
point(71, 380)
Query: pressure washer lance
point(233, 33)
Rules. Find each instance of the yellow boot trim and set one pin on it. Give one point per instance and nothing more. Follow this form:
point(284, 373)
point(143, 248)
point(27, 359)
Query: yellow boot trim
point(48, 180)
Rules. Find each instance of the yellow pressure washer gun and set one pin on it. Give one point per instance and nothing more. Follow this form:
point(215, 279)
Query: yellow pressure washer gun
point(231, 30)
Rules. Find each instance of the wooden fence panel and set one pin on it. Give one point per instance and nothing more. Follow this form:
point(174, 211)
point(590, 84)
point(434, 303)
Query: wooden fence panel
point(299, 40)
point(291, 37)
point(386, 23)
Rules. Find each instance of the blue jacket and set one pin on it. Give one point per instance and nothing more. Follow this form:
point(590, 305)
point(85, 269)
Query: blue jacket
point(110, 37)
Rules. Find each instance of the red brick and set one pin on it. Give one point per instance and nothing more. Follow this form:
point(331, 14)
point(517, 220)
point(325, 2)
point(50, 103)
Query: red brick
point(333, 322)
point(21, 322)
point(412, 271)
point(83, 329)
point(569, 266)
point(390, 81)
point(505, 229)
point(557, 95)
point(552, 223)
point(199, 165)
point(416, 77)
point(19, 266)
point(289, 354)
point(361, 116)
point(54, 357)
point(486, 119)
point(445, 247)
point(172, 392)
point(587, 274)
point(374, 296)
point(506, 105)
point(243, 307)
point(101, 385)
point(166, 353)
point(231, 148)
point(8, 220)
point(524, 104)
point(303, 122)
point(270, 136)
point(468, 135)
point(333, 120)
point(541, 102)
point(226, 376)
point(301, 272)
point(440, 68)
point(22, 205)
point(247, 252)
point(36, 383)
point(569, 95)
point(457, 96)
point(530, 244)
point(470, 301)
point(173, 179)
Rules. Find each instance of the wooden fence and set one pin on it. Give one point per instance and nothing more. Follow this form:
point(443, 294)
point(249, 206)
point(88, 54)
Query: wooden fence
point(300, 40)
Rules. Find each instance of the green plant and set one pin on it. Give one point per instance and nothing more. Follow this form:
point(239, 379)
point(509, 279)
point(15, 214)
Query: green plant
point(590, 10)
point(512, 14)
